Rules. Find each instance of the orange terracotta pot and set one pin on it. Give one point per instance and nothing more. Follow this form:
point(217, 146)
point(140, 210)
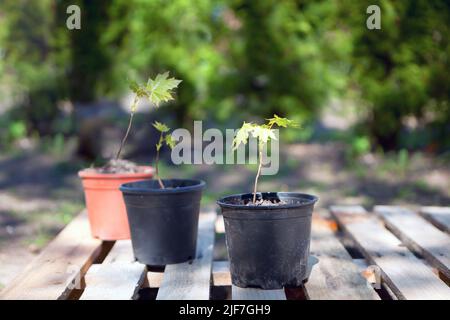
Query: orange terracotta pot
point(104, 201)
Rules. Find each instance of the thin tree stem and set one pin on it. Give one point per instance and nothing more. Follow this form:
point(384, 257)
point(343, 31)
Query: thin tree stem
point(130, 122)
point(257, 174)
point(261, 146)
point(161, 184)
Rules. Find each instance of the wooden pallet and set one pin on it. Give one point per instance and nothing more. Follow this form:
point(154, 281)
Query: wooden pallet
point(405, 255)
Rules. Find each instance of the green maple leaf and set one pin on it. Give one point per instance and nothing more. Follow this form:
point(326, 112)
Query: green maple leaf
point(156, 90)
point(160, 89)
point(242, 134)
point(161, 127)
point(263, 134)
point(170, 142)
point(281, 122)
point(139, 90)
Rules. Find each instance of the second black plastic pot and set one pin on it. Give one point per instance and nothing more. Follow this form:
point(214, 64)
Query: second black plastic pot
point(163, 222)
point(268, 246)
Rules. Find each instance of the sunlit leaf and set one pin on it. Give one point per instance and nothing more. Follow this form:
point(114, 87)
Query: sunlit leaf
point(242, 135)
point(139, 90)
point(170, 142)
point(281, 122)
point(263, 134)
point(160, 89)
point(161, 127)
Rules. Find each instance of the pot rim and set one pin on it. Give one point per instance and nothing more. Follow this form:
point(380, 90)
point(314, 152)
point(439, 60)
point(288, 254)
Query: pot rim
point(127, 188)
point(91, 173)
point(222, 202)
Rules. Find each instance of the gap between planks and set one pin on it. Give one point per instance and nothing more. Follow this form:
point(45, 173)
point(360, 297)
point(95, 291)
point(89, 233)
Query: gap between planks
point(439, 216)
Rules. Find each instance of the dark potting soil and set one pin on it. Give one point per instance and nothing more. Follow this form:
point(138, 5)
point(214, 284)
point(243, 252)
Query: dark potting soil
point(269, 202)
point(171, 188)
point(119, 166)
point(260, 202)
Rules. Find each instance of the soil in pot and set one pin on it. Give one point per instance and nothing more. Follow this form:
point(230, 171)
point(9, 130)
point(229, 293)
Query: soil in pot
point(268, 242)
point(104, 201)
point(163, 222)
point(119, 166)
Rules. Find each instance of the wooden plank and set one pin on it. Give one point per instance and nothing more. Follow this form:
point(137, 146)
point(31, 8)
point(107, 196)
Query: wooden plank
point(220, 224)
point(405, 274)
point(52, 274)
point(221, 277)
point(369, 274)
point(154, 279)
point(238, 293)
point(418, 235)
point(221, 273)
point(439, 216)
point(122, 251)
point(119, 277)
point(335, 276)
point(373, 277)
point(191, 280)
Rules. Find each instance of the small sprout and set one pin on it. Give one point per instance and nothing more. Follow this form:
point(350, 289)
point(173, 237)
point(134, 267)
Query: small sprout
point(263, 133)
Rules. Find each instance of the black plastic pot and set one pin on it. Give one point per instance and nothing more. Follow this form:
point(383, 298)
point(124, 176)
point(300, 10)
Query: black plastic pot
point(163, 222)
point(268, 246)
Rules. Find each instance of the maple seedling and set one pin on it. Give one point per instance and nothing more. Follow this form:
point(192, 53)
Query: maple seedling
point(263, 133)
point(164, 138)
point(155, 90)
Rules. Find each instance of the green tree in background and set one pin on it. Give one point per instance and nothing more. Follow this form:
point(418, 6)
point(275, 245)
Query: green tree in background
point(258, 56)
point(287, 56)
point(89, 62)
point(178, 35)
point(43, 62)
point(33, 56)
point(237, 58)
point(402, 70)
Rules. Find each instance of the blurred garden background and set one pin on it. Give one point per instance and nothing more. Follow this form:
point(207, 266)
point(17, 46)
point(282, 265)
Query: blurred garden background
point(373, 104)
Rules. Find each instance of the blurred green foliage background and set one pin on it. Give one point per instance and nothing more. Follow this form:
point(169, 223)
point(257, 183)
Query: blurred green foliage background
point(238, 59)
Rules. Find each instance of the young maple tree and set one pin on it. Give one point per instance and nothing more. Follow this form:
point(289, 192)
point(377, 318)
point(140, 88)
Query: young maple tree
point(156, 91)
point(164, 138)
point(263, 133)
